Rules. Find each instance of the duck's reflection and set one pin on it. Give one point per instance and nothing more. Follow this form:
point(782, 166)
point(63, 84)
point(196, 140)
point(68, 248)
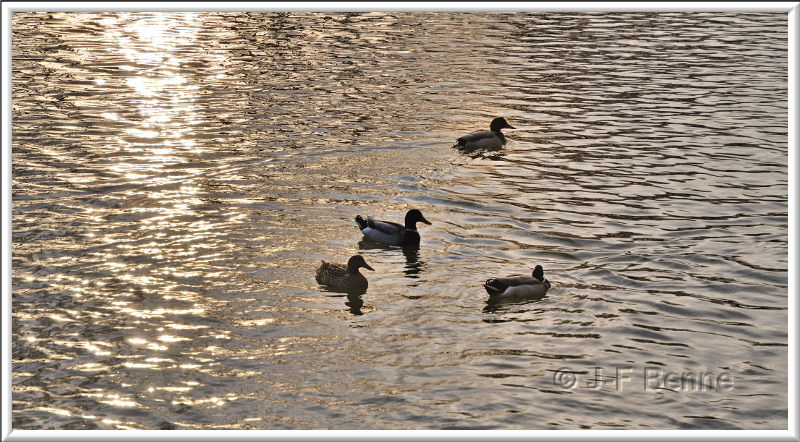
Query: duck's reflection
point(414, 266)
point(504, 305)
point(355, 303)
point(489, 154)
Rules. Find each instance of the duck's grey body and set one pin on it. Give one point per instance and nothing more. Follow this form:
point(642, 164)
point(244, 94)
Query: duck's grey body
point(485, 139)
point(344, 277)
point(391, 233)
point(518, 285)
point(388, 232)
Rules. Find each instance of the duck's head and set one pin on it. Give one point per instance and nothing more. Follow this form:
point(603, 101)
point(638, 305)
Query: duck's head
point(414, 216)
point(538, 273)
point(355, 262)
point(500, 123)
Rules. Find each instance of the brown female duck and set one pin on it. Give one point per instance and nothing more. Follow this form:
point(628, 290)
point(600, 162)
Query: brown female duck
point(344, 277)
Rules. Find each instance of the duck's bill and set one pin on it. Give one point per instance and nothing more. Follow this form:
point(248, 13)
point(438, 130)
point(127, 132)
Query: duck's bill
point(366, 266)
point(508, 126)
point(424, 220)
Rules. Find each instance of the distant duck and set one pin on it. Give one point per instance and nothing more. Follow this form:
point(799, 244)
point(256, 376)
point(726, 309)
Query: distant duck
point(344, 278)
point(518, 285)
point(485, 139)
point(393, 233)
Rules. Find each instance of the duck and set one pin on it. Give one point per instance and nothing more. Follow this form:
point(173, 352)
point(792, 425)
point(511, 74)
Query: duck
point(344, 277)
point(518, 285)
point(395, 234)
point(485, 139)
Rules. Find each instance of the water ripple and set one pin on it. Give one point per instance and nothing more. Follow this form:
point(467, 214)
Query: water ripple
point(177, 177)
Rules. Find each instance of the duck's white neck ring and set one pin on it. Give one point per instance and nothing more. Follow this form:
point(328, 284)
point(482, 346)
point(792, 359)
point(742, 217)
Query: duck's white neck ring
point(411, 230)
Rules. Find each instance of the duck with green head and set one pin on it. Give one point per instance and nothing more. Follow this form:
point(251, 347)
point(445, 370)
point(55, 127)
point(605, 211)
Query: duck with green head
point(485, 139)
point(518, 285)
point(391, 233)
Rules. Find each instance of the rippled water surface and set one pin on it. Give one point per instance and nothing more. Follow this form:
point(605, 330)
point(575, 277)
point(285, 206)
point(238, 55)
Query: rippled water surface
point(177, 179)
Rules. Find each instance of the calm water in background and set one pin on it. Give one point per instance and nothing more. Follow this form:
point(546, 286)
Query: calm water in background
point(178, 177)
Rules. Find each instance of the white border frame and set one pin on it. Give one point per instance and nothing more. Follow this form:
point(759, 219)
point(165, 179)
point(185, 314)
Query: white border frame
point(6, 434)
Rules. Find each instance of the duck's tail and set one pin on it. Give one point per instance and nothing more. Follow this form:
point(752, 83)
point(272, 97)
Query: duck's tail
point(320, 273)
point(494, 287)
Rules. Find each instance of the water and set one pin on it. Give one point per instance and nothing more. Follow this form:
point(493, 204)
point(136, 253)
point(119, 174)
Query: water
point(178, 177)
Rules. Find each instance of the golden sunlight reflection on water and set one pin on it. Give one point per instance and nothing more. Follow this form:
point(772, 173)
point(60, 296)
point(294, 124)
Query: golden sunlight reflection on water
point(164, 110)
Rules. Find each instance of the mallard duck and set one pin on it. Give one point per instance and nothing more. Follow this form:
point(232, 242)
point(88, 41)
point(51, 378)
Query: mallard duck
point(485, 139)
point(393, 233)
point(344, 277)
point(518, 285)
